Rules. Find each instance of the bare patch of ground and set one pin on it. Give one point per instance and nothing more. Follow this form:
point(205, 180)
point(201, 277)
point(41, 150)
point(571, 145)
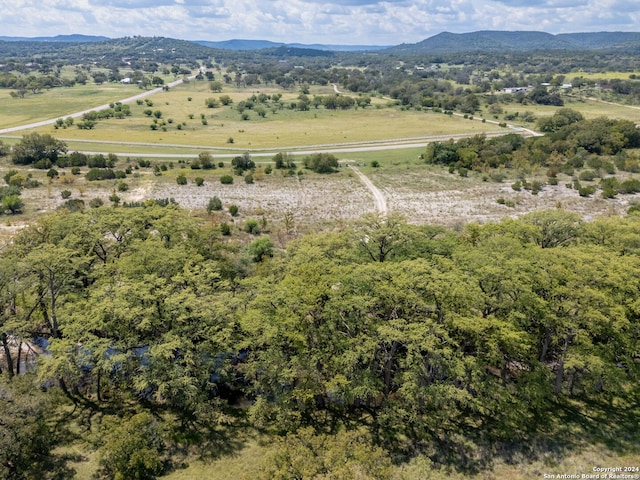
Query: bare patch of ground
point(423, 194)
point(311, 198)
point(478, 202)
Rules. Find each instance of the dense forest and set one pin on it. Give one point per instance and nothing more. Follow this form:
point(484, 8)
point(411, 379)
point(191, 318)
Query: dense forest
point(401, 339)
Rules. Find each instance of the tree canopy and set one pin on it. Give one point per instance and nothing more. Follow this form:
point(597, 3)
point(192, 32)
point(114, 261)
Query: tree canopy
point(393, 337)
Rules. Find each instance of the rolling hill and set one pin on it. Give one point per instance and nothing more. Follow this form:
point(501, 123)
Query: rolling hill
point(492, 41)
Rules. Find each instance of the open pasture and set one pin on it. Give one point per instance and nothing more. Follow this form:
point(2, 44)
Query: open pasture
point(58, 102)
point(186, 120)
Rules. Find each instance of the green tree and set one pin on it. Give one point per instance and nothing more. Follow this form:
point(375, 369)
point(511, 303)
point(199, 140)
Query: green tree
point(380, 235)
point(284, 160)
point(243, 162)
point(26, 438)
point(206, 161)
point(554, 228)
point(35, 147)
point(321, 162)
point(132, 448)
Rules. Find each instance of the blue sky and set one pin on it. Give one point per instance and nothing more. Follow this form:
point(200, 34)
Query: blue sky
point(353, 22)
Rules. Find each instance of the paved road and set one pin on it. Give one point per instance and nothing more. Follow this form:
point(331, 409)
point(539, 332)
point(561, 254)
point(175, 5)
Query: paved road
point(224, 152)
point(378, 196)
point(80, 114)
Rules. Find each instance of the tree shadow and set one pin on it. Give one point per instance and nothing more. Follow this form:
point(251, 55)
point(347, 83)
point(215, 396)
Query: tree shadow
point(567, 427)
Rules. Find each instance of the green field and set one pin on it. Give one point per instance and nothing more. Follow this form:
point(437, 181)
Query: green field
point(182, 129)
point(58, 102)
point(280, 128)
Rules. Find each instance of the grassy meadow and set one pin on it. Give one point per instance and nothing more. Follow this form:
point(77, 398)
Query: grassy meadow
point(279, 129)
point(58, 102)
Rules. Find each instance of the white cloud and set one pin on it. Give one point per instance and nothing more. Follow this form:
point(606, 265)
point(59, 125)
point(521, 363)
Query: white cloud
point(311, 21)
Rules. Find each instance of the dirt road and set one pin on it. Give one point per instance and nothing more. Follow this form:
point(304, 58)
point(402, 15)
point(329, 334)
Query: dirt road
point(378, 196)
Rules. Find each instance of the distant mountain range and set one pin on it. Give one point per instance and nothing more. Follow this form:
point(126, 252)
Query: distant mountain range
point(262, 44)
point(236, 44)
point(57, 38)
point(442, 43)
point(492, 41)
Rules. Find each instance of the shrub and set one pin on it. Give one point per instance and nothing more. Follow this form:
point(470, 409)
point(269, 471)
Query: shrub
point(233, 210)
point(100, 174)
point(225, 229)
point(248, 178)
point(8, 175)
point(96, 202)
point(122, 187)
point(252, 226)
point(226, 179)
point(215, 204)
point(73, 205)
point(12, 203)
point(260, 248)
point(181, 179)
point(199, 181)
point(632, 185)
point(633, 209)
point(17, 180)
point(588, 175)
point(65, 193)
point(587, 191)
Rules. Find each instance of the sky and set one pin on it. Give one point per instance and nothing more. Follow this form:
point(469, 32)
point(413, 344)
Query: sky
point(345, 22)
